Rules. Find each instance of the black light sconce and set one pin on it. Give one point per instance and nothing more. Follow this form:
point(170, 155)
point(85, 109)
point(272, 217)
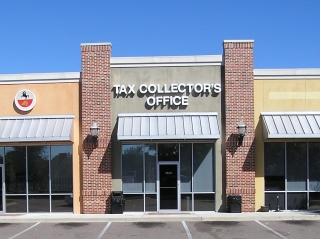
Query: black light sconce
point(94, 129)
point(241, 132)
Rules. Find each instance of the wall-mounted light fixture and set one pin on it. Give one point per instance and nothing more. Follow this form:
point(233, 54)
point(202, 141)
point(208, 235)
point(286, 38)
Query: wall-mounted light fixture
point(94, 129)
point(241, 132)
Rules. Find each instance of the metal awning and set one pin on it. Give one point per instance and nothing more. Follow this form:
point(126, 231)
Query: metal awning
point(36, 128)
point(291, 125)
point(168, 126)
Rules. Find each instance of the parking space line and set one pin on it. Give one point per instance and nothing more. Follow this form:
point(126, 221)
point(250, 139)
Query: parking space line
point(25, 230)
point(104, 230)
point(186, 229)
point(270, 229)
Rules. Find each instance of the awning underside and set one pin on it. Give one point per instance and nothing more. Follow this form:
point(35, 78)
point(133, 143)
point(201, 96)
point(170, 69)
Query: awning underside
point(291, 125)
point(38, 128)
point(168, 126)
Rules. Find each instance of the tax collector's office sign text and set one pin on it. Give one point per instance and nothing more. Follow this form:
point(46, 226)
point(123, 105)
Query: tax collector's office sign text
point(160, 92)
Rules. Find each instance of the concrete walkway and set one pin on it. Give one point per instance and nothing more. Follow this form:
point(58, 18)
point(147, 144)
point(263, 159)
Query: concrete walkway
point(160, 217)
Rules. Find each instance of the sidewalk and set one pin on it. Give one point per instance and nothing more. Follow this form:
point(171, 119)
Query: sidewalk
point(147, 217)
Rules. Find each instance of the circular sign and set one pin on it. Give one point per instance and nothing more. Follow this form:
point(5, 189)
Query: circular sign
point(25, 100)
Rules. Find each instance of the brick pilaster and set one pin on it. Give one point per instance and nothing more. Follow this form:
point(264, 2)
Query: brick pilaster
point(239, 106)
point(96, 107)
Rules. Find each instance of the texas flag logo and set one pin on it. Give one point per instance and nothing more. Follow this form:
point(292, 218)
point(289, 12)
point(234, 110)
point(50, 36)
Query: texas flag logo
point(25, 100)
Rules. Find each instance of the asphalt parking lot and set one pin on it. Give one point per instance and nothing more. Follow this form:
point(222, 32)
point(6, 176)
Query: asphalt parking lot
point(177, 229)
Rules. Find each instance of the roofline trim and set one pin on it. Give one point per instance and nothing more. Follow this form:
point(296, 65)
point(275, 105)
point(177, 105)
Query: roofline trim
point(302, 73)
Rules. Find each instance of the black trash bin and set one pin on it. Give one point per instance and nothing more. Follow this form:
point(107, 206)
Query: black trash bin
point(117, 202)
point(234, 203)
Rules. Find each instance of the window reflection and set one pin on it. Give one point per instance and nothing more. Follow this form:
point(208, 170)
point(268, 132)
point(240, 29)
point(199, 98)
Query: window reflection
point(61, 169)
point(274, 169)
point(38, 169)
point(203, 165)
point(314, 166)
point(15, 170)
point(168, 152)
point(296, 166)
point(1, 155)
point(151, 168)
point(132, 168)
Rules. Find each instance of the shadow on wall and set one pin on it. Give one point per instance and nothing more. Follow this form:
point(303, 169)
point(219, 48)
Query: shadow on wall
point(245, 148)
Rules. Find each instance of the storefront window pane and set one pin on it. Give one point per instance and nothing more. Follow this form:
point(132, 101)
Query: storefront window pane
point(151, 202)
point(203, 167)
point(61, 203)
point(314, 167)
point(297, 201)
point(132, 168)
point(1, 155)
point(168, 152)
point(186, 202)
point(151, 168)
point(61, 169)
point(38, 169)
point(15, 169)
point(204, 202)
point(314, 201)
point(273, 200)
point(296, 166)
point(274, 172)
point(186, 167)
point(15, 204)
point(39, 204)
point(133, 203)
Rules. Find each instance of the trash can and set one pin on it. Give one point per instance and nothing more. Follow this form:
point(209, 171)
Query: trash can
point(234, 203)
point(117, 202)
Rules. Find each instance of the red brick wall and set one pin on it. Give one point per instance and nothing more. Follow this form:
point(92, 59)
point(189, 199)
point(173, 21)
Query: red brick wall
point(239, 106)
point(96, 107)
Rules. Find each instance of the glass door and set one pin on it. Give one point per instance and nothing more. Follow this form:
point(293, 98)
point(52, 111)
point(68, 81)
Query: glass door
point(1, 189)
point(168, 186)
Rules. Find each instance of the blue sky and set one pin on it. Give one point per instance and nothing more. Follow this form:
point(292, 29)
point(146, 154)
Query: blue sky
point(45, 36)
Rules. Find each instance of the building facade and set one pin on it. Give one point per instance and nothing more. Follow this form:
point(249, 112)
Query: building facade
point(168, 135)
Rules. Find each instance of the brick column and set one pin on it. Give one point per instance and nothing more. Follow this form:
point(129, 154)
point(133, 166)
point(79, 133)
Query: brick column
point(239, 106)
point(96, 107)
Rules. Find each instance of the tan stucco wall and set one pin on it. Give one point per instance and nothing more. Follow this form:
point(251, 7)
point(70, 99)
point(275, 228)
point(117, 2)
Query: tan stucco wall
point(280, 95)
point(52, 99)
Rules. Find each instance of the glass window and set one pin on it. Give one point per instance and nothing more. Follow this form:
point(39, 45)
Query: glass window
point(15, 170)
point(314, 167)
point(203, 167)
point(151, 168)
point(314, 201)
point(38, 169)
point(274, 169)
point(186, 202)
point(39, 203)
point(16, 204)
point(61, 169)
point(296, 166)
point(168, 152)
point(186, 167)
point(133, 202)
point(297, 201)
point(273, 200)
point(132, 168)
point(204, 202)
point(151, 202)
point(1, 155)
point(61, 203)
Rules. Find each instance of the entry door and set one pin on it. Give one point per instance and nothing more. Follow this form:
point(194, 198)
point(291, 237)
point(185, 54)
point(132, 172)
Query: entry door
point(1, 189)
point(168, 186)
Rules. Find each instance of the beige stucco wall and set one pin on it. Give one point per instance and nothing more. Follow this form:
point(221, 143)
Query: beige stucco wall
point(52, 99)
point(280, 95)
point(137, 104)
